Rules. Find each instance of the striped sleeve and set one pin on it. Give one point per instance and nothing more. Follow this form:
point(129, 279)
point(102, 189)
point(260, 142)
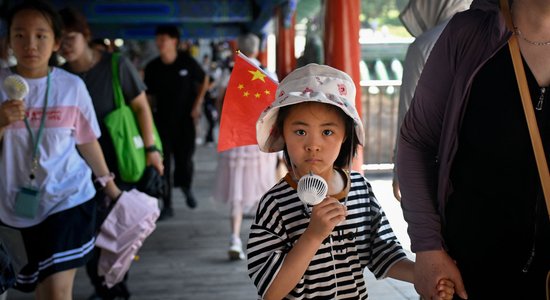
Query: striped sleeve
point(385, 249)
point(267, 246)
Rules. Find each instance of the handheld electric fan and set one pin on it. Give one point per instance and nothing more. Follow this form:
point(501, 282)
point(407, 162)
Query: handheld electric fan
point(16, 87)
point(312, 189)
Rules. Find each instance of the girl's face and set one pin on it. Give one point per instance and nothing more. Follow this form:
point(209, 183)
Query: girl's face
point(313, 134)
point(73, 46)
point(33, 41)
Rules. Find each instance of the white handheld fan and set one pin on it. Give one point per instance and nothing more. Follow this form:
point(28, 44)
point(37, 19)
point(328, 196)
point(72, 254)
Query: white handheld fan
point(312, 189)
point(16, 87)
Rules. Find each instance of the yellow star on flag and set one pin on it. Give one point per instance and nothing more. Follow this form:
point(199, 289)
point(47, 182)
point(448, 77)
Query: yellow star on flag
point(244, 101)
point(257, 75)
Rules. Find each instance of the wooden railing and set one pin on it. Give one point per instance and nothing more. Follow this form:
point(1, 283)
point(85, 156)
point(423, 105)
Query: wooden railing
point(380, 102)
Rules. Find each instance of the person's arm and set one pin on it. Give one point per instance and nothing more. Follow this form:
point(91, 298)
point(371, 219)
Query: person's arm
point(414, 62)
point(142, 111)
point(93, 155)
point(134, 88)
point(418, 166)
point(324, 217)
point(197, 105)
point(402, 270)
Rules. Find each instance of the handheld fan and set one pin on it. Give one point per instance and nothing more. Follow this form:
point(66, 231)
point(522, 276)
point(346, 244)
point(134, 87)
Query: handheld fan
point(16, 87)
point(312, 189)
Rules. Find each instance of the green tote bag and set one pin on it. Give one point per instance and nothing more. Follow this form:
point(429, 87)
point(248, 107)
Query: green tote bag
point(125, 133)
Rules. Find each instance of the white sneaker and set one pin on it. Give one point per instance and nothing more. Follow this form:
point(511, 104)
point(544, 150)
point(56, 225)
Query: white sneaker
point(236, 250)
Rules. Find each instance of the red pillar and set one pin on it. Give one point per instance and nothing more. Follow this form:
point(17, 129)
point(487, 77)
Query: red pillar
point(233, 46)
point(342, 49)
point(286, 61)
point(262, 54)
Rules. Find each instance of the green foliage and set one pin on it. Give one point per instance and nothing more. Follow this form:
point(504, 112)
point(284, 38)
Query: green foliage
point(382, 12)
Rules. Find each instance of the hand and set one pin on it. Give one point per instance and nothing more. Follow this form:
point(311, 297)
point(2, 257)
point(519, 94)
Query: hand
point(445, 290)
point(325, 216)
point(396, 190)
point(11, 111)
point(430, 268)
point(155, 159)
point(112, 191)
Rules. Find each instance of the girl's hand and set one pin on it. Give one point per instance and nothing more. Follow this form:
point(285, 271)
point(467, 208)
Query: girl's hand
point(325, 216)
point(445, 289)
point(11, 111)
point(430, 267)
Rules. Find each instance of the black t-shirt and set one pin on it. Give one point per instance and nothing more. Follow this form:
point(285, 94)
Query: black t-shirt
point(497, 200)
point(99, 83)
point(98, 80)
point(175, 87)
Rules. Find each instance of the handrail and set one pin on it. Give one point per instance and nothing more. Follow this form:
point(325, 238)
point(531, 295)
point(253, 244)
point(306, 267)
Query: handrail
point(380, 83)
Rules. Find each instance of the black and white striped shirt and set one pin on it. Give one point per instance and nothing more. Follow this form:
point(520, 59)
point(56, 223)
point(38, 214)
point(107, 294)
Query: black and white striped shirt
point(364, 239)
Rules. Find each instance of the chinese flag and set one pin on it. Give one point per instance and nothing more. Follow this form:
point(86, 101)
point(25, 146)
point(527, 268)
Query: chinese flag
point(249, 91)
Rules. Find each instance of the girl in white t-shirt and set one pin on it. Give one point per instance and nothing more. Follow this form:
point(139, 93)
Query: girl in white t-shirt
point(48, 151)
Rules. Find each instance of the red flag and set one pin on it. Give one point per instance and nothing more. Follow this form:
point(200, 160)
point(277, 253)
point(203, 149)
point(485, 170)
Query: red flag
point(249, 91)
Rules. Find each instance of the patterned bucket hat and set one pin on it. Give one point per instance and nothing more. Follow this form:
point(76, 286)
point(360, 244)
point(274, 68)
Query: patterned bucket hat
point(313, 82)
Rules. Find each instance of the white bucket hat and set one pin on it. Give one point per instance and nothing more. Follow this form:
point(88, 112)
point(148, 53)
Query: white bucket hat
point(312, 82)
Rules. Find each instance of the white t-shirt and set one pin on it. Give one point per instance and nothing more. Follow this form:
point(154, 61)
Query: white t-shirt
point(63, 177)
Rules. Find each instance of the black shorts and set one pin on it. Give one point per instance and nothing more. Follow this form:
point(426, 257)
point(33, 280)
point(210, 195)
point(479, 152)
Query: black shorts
point(63, 241)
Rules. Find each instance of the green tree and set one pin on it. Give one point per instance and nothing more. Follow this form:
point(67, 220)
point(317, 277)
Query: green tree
point(382, 12)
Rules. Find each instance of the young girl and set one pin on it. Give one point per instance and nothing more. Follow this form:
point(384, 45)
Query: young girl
point(94, 67)
point(298, 251)
point(48, 151)
point(244, 173)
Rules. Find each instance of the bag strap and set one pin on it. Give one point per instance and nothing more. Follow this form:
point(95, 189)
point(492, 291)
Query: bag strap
point(536, 140)
point(117, 89)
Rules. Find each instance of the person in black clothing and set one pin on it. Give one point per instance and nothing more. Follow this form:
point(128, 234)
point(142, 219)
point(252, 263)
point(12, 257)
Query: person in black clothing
point(176, 85)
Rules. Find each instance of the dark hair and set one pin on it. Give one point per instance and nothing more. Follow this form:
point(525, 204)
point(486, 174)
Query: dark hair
point(74, 21)
point(43, 8)
point(99, 42)
point(170, 30)
point(349, 146)
point(49, 13)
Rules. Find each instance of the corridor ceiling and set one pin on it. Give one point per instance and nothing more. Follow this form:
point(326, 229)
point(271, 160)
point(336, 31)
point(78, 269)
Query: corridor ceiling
point(137, 19)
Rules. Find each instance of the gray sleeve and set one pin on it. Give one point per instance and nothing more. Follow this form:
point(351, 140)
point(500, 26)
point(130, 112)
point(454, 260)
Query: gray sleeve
point(419, 141)
point(130, 80)
point(416, 57)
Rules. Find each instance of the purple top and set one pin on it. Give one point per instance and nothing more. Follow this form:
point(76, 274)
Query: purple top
point(429, 134)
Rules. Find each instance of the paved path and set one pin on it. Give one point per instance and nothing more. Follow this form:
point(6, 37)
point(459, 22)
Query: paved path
point(186, 256)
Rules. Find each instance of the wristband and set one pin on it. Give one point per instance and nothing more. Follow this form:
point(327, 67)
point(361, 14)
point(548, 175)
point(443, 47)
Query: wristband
point(104, 180)
point(152, 148)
